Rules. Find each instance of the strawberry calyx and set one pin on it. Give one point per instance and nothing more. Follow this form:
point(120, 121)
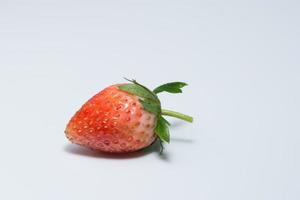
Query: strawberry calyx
point(152, 104)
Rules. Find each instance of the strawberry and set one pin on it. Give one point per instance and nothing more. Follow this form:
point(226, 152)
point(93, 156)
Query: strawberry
point(123, 118)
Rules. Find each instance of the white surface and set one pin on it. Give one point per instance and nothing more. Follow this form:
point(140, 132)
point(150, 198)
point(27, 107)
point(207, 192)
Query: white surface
point(241, 59)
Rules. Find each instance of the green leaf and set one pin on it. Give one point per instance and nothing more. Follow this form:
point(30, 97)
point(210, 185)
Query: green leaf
point(137, 90)
point(174, 87)
point(166, 121)
point(148, 99)
point(154, 96)
point(162, 129)
point(151, 106)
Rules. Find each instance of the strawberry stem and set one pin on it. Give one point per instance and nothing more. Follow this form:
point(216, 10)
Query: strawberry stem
point(177, 115)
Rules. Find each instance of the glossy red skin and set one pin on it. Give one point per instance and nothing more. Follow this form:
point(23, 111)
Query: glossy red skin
point(112, 121)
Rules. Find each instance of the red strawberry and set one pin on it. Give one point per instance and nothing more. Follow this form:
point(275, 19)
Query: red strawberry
point(123, 118)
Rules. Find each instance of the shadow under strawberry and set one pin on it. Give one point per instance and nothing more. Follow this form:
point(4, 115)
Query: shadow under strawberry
point(81, 151)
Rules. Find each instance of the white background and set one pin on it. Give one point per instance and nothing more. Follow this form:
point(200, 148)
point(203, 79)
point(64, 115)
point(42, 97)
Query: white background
point(241, 59)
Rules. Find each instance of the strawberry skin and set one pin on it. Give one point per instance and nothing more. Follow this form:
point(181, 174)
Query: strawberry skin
point(112, 121)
